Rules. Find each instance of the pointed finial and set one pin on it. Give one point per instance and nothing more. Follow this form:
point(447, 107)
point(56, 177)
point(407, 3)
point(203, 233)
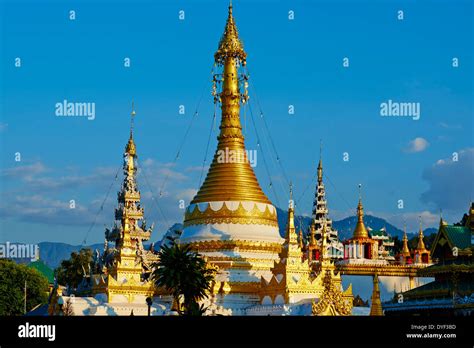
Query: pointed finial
point(230, 45)
point(291, 191)
point(405, 249)
point(320, 148)
point(360, 192)
point(130, 148)
point(132, 116)
point(320, 165)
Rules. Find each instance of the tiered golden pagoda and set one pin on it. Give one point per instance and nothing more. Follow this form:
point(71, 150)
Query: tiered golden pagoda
point(231, 221)
point(126, 266)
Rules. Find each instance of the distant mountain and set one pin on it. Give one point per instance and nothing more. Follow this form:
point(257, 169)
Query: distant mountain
point(172, 233)
point(346, 226)
point(53, 253)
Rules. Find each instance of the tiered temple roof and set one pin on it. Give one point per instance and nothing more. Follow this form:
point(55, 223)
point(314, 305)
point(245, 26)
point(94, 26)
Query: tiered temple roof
point(126, 265)
point(321, 218)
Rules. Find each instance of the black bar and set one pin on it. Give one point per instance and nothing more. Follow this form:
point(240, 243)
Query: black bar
point(225, 331)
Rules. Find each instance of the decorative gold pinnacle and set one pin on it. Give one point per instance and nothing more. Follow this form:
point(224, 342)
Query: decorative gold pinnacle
point(230, 45)
point(130, 148)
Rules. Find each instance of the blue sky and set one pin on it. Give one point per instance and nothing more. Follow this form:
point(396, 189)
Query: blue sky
point(297, 62)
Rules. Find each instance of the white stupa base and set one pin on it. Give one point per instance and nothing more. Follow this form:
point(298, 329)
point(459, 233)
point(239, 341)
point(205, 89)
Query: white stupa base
point(85, 306)
point(224, 231)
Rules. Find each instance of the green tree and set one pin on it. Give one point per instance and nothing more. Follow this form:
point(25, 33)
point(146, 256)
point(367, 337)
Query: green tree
point(71, 271)
point(12, 288)
point(183, 272)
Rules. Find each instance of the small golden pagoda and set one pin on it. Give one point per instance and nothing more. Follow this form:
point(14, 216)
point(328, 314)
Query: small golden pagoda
point(421, 254)
point(361, 245)
point(405, 255)
point(376, 305)
point(313, 248)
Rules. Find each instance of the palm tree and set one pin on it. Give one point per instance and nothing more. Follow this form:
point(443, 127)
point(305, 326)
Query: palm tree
point(184, 273)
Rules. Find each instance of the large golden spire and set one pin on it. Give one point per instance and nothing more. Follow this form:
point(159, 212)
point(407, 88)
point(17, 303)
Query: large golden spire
point(230, 176)
point(360, 230)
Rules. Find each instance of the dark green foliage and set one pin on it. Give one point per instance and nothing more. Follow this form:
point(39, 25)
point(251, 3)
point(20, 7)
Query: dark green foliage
point(71, 271)
point(183, 272)
point(12, 285)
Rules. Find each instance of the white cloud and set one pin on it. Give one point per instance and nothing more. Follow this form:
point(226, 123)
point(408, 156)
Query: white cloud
point(187, 194)
point(451, 185)
point(38, 194)
point(411, 219)
point(23, 171)
point(40, 209)
point(417, 145)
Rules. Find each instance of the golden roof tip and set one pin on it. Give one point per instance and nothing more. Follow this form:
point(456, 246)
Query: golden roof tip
point(230, 45)
point(130, 148)
point(133, 108)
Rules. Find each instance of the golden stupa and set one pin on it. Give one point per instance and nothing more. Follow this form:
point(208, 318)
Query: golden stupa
point(231, 221)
